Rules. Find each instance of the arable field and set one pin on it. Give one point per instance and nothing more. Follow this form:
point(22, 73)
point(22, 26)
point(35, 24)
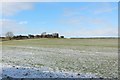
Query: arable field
point(96, 57)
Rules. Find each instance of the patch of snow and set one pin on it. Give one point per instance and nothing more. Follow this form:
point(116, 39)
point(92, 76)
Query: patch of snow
point(28, 72)
point(97, 52)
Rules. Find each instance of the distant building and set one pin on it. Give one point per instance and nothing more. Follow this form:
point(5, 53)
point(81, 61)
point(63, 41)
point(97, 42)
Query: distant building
point(55, 35)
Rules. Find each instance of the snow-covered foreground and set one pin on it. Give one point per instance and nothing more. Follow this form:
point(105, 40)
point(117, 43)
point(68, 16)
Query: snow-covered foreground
point(58, 62)
point(23, 71)
point(28, 72)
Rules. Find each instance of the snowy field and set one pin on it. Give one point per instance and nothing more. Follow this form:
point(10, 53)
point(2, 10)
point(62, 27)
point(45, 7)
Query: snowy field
point(60, 58)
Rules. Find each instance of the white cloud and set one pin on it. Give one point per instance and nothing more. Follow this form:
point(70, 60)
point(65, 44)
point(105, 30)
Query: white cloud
point(91, 33)
point(23, 22)
point(11, 25)
point(69, 12)
point(11, 8)
point(100, 11)
point(79, 27)
point(105, 8)
point(0, 9)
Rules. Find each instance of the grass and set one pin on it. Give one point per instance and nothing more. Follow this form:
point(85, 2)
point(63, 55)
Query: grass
point(97, 56)
point(63, 43)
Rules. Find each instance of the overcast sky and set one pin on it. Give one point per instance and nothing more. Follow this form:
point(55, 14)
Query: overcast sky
point(71, 19)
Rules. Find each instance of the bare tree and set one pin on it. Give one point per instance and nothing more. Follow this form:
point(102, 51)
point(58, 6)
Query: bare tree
point(44, 33)
point(9, 35)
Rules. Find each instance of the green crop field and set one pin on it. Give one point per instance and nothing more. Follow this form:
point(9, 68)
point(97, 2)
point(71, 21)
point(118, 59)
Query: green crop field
point(96, 56)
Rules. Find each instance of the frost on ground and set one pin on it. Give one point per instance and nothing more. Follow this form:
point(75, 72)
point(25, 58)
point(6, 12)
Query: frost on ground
point(40, 62)
point(28, 72)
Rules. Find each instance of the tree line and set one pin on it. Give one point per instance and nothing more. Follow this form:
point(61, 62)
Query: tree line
point(10, 36)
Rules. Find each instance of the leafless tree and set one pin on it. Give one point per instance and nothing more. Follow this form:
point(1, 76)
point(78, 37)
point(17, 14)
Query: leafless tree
point(9, 35)
point(44, 33)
